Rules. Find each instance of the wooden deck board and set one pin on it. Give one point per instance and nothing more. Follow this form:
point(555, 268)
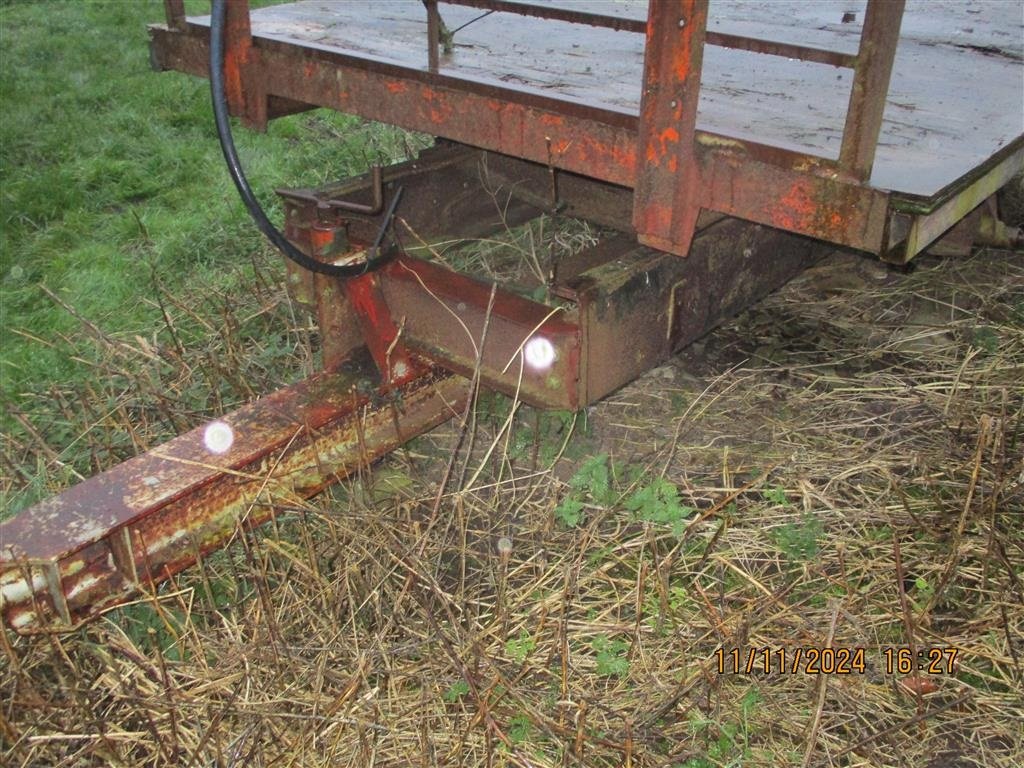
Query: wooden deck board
point(957, 93)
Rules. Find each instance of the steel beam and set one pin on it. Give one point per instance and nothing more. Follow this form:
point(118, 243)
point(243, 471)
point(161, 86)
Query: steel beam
point(924, 227)
point(129, 528)
point(631, 307)
point(243, 87)
point(174, 12)
point(646, 305)
point(444, 313)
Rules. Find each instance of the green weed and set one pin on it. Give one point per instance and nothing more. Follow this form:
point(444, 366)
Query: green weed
point(728, 743)
point(520, 647)
point(679, 604)
point(541, 434)
point(610, 656)
point(775, 495)
point(144, 626)
point(456, 691)
point(985, 338)
point(921, 594)
point(591, 483)
point(658, 502)
point(592, 479)
point(877, 533)
point(520, 729)
point(799, 542)
point(569, 512)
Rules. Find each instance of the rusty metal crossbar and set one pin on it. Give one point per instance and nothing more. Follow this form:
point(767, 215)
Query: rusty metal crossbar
point(872, 63)
point(626, 24)
point(133, 526)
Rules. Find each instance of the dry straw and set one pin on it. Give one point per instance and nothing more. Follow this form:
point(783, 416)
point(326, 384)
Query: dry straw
point(841, 466)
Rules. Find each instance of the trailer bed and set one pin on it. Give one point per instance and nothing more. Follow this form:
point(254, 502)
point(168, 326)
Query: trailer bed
point(956, 97)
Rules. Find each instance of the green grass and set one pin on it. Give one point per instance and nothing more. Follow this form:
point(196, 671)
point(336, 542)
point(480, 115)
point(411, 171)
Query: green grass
point(111, 171)
point(112, 183)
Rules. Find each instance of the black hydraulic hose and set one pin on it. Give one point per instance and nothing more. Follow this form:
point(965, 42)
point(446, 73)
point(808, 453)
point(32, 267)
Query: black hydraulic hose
point(227, 145)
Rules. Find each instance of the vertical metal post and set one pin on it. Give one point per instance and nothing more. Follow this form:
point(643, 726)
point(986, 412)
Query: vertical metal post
point(666, 199)
point(878, 39)
point(433, 35)
point(339, 334)
point(174, 12)
point(245, 95)
point(324, 238)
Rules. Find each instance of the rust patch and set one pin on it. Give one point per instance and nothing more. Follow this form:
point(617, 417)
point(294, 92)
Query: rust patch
point(796, 209)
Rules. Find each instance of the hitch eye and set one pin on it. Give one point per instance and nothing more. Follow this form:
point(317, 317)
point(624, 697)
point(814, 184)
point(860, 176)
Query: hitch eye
point(539, 353)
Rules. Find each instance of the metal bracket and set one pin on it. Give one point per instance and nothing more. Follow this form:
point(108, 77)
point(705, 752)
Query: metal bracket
point(382, 335)
point(335, 204)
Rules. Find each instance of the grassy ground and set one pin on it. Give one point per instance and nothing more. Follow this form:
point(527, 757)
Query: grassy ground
point(842, 465)
point(114, 201)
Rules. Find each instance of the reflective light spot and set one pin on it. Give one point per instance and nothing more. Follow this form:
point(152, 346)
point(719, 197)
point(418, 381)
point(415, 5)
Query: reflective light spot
point(218, 437)
point(539, 353)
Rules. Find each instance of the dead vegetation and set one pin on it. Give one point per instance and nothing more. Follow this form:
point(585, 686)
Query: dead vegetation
point(841, 466)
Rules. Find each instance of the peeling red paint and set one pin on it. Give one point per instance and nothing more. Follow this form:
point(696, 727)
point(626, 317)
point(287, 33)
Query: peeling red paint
point(436, 105)
point(321, 239)
point(796, 209)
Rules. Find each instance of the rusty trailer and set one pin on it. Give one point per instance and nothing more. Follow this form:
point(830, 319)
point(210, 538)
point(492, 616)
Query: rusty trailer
point(729, 144)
